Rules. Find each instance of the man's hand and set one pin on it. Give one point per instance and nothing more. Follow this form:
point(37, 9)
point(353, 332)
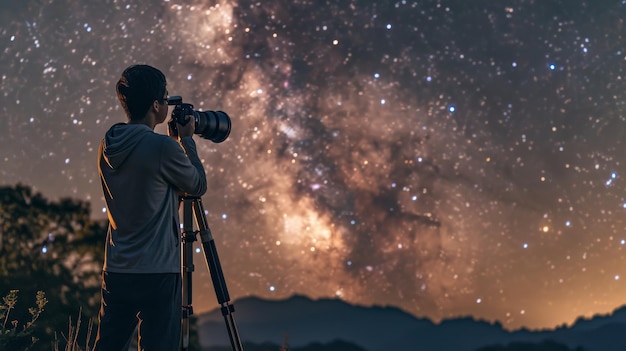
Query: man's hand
point(187, 129)
point(182, 131)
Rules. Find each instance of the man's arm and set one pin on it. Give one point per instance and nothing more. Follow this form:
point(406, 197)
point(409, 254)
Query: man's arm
point(184, 169)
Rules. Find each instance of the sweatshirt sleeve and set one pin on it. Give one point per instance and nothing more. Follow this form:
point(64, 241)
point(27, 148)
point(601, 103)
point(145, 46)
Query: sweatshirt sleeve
point(183, 168)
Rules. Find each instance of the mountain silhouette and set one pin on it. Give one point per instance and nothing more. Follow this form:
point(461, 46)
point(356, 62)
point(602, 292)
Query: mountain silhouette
point(303, 321)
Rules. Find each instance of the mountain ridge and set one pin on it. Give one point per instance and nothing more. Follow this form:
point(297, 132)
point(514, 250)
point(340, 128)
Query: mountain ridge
point(304, 321)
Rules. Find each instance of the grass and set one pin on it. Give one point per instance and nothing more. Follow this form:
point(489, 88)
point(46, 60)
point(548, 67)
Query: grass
point(12, 337)
point(71, 339)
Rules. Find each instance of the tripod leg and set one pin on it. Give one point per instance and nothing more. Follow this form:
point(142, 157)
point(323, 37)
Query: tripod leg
point(217, 276)
point(188, 237)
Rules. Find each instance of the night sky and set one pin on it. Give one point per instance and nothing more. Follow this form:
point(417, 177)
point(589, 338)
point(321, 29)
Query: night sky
point(449, 158)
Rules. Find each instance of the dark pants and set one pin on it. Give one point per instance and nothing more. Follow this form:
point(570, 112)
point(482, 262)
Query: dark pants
point(153, 302)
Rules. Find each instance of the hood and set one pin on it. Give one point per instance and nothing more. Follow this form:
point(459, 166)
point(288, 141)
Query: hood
point(121, 140)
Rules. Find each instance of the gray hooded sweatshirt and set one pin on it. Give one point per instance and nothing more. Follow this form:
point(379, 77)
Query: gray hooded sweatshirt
point(141, 173)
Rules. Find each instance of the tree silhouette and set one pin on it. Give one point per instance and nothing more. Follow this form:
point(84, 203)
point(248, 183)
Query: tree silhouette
point(53, 247)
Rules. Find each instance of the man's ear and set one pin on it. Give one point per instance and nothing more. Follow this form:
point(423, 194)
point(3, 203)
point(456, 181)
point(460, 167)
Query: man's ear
point(155, 106)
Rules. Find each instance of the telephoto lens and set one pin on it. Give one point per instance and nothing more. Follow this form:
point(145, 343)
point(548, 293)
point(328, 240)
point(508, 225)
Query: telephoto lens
point(211, 125)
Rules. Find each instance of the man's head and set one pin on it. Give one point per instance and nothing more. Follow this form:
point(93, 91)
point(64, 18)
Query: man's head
point(138, 88)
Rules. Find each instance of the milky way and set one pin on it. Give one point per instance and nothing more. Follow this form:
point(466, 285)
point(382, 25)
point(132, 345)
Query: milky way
point(449, 158)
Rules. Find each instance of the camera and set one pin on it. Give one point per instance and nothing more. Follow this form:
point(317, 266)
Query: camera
point(211, 125)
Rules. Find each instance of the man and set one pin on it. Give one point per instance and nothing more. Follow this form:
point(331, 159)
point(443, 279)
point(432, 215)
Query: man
point(142, 174)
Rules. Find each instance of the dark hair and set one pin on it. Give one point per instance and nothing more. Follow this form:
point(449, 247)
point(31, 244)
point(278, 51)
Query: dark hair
point(138, 87)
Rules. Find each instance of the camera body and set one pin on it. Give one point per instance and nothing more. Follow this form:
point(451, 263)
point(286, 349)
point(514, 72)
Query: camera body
point(211, 125)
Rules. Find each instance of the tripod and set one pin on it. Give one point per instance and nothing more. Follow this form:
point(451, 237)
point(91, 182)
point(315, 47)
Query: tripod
point(192, 206)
